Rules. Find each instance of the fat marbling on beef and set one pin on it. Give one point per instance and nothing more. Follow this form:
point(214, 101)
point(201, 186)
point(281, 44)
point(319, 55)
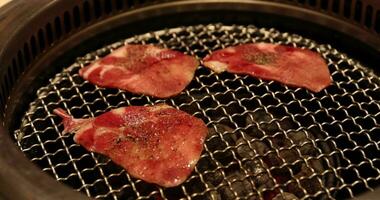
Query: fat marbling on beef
point(143, 69)
point(288, 65)
point(158, 144)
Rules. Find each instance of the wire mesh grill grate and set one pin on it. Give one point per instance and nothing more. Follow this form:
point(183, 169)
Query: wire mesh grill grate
point(266, 140)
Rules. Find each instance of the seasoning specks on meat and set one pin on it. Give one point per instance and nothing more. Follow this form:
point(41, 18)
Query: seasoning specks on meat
point(158, 144)
point(143, 69)
point(288, 65)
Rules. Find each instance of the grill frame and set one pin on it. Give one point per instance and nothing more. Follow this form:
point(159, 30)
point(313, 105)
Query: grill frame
point(12, 156)
point(69, 75)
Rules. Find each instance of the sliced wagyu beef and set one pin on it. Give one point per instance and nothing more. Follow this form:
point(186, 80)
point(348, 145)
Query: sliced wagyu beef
point(158, 144)
point(288, 65)
point(143, 69)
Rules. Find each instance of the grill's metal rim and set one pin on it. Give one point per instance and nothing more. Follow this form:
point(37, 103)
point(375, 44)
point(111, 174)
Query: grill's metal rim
point(21, 164)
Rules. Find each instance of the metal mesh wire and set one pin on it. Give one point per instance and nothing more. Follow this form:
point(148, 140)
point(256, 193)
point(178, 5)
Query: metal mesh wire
point(266, 140)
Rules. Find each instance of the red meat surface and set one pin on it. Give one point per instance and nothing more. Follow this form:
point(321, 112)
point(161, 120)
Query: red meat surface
point(158, 144)
point(285, 64)
point(143, 69)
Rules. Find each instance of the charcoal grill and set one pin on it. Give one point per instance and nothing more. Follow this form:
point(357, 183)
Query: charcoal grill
point(265, 141)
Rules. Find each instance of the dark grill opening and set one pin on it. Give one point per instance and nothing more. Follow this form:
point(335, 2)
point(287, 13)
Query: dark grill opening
point(265, 139)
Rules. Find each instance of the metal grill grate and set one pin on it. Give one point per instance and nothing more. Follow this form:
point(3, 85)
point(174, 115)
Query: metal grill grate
point(265, 139)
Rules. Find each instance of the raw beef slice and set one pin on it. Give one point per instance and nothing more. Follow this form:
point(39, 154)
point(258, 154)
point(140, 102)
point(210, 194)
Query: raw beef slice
point(143, 69)
point(288, 65)
point(158, 144)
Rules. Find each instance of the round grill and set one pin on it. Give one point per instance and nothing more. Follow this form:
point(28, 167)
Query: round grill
point(265, 139)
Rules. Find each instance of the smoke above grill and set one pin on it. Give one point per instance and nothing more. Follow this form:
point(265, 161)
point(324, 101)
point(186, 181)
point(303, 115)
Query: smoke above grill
point(266, 140)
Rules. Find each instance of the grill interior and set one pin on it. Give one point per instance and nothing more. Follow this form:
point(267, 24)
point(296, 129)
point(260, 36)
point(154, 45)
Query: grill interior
point(265, 139)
